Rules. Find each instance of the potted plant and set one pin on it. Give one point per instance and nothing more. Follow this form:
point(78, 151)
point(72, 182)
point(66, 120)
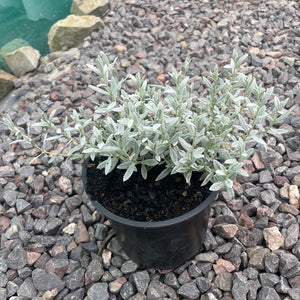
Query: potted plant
point(155, 158)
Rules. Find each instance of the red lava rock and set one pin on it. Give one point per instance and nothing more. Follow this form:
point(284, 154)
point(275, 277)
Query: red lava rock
point(246, 221)
point(4, 223)
point(235, 204)
point(86, 93)
point(39, 184)
point(65, 185)
point(280, 181)
point(237, 187)
point(116, 285)
point(39, 212)
point(57, 266)
point(81, 233)
point(257, 162)
point(264, 211)
point(55, 96)
point(32, 257)
point(141, 55)
point(248, 166)
point(162, 78)
point(56, 250)
point(227, 231)
point(22, 104)
point(223, 266)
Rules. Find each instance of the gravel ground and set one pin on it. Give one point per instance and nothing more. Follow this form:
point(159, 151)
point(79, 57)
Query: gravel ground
point(51, 234)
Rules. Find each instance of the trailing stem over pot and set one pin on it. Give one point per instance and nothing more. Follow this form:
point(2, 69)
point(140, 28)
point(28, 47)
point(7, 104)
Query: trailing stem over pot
point(169, 125)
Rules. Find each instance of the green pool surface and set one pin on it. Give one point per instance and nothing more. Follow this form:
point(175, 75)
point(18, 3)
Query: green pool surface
point(30, 20)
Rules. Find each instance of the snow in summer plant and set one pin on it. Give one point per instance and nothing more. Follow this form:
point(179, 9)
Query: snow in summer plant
point(169, 125)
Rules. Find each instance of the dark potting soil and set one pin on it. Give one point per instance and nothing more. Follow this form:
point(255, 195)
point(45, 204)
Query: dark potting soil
point(145, 200)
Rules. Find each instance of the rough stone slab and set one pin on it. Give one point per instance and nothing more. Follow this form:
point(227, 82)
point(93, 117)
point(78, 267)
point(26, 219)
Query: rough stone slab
point(72, 30)
point(90, 7)
point(6, 83)
point(23, 60)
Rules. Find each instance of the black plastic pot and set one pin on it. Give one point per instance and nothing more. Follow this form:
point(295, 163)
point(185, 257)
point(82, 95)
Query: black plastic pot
point(162, 244)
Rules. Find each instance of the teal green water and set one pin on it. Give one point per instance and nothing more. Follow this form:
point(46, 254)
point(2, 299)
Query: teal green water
point(30, 20)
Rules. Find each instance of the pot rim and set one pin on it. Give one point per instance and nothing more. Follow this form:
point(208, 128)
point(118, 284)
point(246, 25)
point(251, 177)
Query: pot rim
point(148, 224)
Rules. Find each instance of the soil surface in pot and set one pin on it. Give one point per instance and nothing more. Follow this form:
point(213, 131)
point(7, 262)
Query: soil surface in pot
point(145, 200)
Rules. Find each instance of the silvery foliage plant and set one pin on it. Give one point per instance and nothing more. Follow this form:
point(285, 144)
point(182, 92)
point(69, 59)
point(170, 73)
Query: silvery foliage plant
point(169, 125)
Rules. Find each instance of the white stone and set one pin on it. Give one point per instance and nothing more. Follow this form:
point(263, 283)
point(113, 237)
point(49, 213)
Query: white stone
point(294, 196)
point(273, 237)
point(70, 229)
point(23, 60)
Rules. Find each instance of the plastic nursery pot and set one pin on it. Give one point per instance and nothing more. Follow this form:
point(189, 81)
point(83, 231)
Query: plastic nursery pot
point(162, 244)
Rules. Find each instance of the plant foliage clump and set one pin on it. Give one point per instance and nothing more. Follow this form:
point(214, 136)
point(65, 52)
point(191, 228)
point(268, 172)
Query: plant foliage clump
point(169, 125)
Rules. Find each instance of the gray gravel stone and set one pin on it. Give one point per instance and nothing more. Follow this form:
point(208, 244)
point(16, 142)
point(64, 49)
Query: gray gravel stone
point(268, 197)
point(268, 280)
point(52, 226)
point(10, 197)
point(94, 271)
point(189, 290)
point(224, 281)
point(294, 293)
point(6, 171)
point(98, 291)
point(75, 279)
point(43, 281)
point(289, 265)
point(17, 259)
point(207, 257)
point(3, 280)
point(203, 284)
point(22, 206)
point(271, 263)
point(292, 235)
point(73, 202)
point(3, 293)
point(127, 290)
point(128, 267)
point(254, 285)
point(267, 293)
point(3, 265)
point(77, 294)
point(101, 231)
point(257, 258)
point(86, 215)
point(11, 288)
point(194, 271)
point(240, 286)
point(171, 280)
point(141, 280)
point(25, 272)
point(26, 171)
point(27, 289)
